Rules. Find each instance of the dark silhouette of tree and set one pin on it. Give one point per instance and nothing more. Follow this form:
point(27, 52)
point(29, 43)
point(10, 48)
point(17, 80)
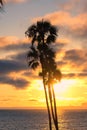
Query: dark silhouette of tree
point(41, 53)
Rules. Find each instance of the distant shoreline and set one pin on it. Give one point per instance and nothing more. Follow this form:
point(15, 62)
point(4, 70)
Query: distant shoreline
point(59, 109)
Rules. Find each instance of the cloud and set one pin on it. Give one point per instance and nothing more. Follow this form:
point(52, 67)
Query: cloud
point(11, 45)
point(17, 83)
point(8, 66)
point(56, 18)
point(72, 55)
point(20, 57)
point(8, 40)
point(71, 25)
point(15, 1)
point(61, 63)
point(85, 70)
point(15, 47)
point(75, 56)
point(83, 74)
point(75, 75)
point(78, 26)
point(70, 75)
point(76, 6)
point(15, 65)
point(13, 60)
point(74, 61)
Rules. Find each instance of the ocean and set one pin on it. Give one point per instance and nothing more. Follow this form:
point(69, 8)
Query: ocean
point(38, 120)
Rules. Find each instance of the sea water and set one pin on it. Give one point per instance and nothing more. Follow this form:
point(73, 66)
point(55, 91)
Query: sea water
point(38, 120)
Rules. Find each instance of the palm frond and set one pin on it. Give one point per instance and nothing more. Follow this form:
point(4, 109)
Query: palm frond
point(33, 53)
point(30, 62)
point(40, 74)
point(34, 65)
point(57, 75)
point(31, 31)
point(38, 39)
point(53, 30)
point(34, 39)
point(50, 53)
point(46, 26)
point(50, 39)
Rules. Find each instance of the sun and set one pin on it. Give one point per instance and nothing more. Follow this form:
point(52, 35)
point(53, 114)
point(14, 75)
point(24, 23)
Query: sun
point(63, 85)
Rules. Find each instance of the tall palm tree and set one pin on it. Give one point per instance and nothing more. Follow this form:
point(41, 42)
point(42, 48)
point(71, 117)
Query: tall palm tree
point(43, 34)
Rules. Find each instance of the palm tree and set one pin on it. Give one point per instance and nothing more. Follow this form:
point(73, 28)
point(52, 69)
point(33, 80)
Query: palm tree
point(43, 34)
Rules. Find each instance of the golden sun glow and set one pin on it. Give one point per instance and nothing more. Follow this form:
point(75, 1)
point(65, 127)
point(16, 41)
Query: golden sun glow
point(64, 92)
point(64, 85)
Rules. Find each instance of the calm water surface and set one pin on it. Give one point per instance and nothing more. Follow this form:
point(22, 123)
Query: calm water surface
point(38, 120)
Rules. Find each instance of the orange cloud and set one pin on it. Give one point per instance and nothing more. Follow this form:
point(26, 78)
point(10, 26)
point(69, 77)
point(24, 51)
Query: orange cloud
point(76, 59)
point(64, 18)
point(73, 25)
point(8, 40)
point(12, 40)
point(57, 18)
point(63, 40)
point(17, 1)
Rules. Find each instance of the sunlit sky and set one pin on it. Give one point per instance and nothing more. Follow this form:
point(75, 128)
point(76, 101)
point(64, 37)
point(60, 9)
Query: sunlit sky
point(23, 88)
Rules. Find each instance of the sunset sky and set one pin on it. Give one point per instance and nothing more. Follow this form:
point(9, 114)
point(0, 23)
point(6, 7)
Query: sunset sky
point(23, 88)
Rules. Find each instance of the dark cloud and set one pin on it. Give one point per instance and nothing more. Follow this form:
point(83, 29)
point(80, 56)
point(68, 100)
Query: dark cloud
point(69, 75)
point(58, 46)
point(79, 32)
point(15, 47)
point(83, 74)
point(17, 83)
point(28, 73)
point(20, 57)
point(76, 60)
point(85, 70)
point(74, 75)
point(75, 56)
point(61, 63)
point(15, 57)
point(7, 66)
point(16, 65)
point(71, 55)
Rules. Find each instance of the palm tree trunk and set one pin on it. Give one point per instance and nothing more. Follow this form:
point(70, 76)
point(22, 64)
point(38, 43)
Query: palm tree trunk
point(55, 109)
point(48, 108)
point(51, 104)
point(46, 96)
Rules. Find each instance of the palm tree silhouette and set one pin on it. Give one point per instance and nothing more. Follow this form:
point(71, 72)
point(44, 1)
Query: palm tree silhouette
point(41, 53)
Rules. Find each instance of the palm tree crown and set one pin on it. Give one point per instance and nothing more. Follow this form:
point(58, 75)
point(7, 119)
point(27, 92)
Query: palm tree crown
point(42, 32)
